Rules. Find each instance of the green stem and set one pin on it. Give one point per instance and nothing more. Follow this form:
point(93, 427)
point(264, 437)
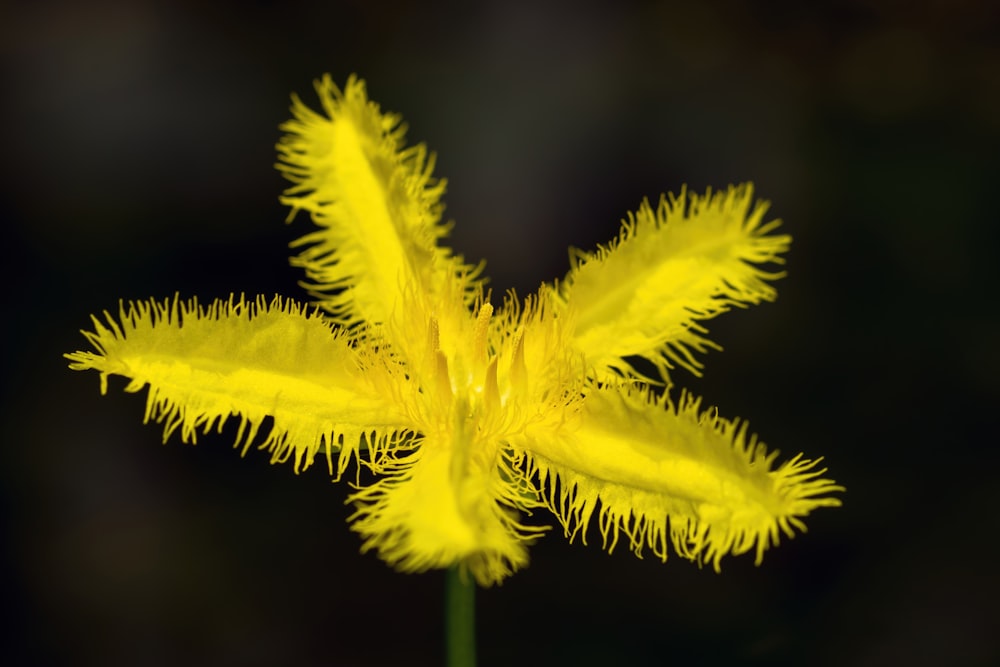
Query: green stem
point(459, 619)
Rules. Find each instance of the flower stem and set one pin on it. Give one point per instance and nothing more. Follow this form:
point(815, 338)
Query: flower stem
point(460, 619)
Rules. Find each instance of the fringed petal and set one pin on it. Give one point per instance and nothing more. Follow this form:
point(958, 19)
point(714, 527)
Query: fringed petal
point(441, 506)
point(660, 473)
point(375, 202)
point(647, 292)
point(250, 360)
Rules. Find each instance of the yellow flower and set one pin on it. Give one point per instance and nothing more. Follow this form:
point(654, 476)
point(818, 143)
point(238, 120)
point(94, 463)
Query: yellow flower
point(469, 417)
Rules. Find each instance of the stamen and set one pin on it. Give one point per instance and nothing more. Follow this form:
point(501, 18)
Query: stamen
point(431, 362)
point(433, 335)
point(480, 336)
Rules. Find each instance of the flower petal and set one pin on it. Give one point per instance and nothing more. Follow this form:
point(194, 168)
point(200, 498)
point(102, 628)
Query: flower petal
point(669, 269)
point(442, 505)
point(660, 473)
point(375, 202)
point(247, 359)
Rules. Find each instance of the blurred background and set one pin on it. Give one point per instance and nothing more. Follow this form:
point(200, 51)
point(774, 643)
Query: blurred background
point(138, 140)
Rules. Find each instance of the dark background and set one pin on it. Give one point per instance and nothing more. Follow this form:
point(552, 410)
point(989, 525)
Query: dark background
point(138, 149)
